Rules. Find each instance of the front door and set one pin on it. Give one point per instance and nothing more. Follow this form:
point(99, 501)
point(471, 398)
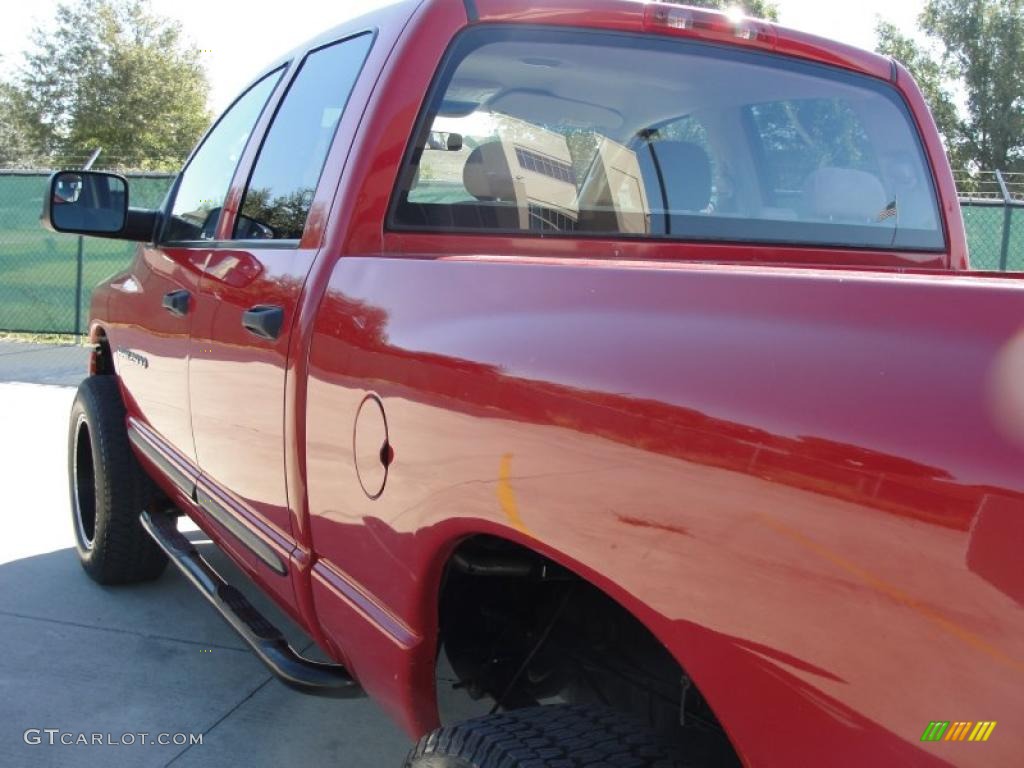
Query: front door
point(158, 302)
point(149, 329)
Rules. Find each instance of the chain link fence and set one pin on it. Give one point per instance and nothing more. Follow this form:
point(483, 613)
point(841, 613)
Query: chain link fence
point(46, 279)
point(993, 207)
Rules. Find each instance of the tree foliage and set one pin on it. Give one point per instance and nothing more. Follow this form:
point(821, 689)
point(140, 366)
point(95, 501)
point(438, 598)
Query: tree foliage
point(983, 42)
point(112, 74)
point(977, 49)
point(931, 75)
point(285, 214)
point(14, 145)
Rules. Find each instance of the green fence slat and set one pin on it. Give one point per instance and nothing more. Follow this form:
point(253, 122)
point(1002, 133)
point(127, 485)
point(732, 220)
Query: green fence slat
point(37, 267)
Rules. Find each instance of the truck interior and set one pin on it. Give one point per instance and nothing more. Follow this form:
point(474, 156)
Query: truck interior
point(556, 137)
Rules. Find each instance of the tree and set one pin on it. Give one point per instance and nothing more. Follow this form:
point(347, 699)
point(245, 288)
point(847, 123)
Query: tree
point(15, 149)
point(984, 42)
point(932, 76)
point(979, 51)
point(112, 74)
point(761, 9)
point(285, 214)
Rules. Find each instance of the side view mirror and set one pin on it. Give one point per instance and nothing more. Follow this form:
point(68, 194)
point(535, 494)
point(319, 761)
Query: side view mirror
point(95, 203)
point(86, 203)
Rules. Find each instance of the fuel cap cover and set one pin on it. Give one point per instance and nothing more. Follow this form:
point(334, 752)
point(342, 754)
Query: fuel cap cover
point(371, 448)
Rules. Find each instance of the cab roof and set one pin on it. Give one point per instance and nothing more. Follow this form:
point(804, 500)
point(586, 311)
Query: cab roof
point(639, 16)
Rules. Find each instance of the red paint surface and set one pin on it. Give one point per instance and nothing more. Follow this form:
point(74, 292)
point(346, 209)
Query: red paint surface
point(799, 467)
point(805, 446)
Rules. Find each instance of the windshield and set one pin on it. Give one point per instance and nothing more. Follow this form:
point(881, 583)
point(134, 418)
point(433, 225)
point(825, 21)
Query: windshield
point(579, 133)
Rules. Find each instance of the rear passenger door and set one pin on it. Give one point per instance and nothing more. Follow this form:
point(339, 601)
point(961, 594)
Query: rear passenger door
point(246, 306)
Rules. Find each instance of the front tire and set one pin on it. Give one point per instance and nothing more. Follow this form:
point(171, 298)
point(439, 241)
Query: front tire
point(564, 736)
point(108, 489)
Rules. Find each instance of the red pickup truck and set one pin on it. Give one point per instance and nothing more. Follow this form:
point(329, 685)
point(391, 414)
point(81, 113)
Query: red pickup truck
point(615, 364)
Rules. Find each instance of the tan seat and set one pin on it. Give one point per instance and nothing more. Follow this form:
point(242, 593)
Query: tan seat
point(488, 178)
point(843, 194)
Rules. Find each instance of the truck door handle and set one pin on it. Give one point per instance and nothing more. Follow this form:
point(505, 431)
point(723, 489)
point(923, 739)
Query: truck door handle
point(264, 321)
point(176, 302)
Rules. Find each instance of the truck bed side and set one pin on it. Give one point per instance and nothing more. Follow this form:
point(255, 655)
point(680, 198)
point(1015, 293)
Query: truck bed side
point(801, 480)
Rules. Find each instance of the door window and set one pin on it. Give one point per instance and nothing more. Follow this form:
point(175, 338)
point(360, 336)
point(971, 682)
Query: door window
point(286, 173)
point(204, 182)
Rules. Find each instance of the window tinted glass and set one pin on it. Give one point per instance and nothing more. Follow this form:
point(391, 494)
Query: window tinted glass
point(562, 132)
point(798, 137)
point(204, 183)
point(292, 157)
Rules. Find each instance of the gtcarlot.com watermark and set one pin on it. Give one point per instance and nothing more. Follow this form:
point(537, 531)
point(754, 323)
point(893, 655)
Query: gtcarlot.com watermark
point(55, 736)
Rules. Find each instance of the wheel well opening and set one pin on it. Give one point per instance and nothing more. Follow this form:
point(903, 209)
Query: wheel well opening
point(101, 361)
point(518, 630)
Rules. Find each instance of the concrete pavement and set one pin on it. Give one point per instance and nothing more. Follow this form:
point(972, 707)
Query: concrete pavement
point(57, 364)
point(152, 659)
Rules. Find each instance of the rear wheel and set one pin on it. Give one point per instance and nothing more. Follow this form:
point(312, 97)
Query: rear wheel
point(536, 737)
point(108, 489)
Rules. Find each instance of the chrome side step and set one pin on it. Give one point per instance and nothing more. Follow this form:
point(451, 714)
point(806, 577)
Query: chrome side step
point(313, 677)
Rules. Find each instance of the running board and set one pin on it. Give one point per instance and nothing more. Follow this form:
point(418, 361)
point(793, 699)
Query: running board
point(313, 677)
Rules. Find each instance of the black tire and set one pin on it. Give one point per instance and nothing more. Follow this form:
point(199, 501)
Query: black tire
point(561, 736)
point(108, 489)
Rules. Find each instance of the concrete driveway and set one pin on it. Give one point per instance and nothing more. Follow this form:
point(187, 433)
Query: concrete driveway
point(123, 661)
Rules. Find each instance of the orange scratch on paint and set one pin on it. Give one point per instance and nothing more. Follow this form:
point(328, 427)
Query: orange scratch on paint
point(893, 592)
point(507, 497)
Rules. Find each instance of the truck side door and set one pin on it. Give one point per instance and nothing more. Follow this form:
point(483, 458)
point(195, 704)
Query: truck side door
point(245, 308)
point(155, 306)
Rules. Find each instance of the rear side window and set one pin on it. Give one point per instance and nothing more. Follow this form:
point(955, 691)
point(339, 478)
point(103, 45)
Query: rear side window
point(561, 132)
point(204, 182)
point(286, 173)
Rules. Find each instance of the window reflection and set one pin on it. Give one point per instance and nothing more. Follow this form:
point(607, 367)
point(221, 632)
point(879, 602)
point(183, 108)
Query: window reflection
point(204, 182)
point(557, 132)
point(280, 190)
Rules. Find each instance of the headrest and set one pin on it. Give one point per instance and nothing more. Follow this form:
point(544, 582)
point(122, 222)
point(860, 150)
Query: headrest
point(844, 194)
point(486, 175)
point(686, 171)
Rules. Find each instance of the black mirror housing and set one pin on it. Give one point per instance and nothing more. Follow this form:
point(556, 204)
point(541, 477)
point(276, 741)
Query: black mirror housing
point(95, 203)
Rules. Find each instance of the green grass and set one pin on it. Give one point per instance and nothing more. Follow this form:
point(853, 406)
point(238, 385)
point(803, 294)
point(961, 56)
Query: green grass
point(38, 274)
point(45, 338)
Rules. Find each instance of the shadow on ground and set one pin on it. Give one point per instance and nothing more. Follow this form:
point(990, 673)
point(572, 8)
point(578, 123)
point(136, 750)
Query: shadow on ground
point(153, 658)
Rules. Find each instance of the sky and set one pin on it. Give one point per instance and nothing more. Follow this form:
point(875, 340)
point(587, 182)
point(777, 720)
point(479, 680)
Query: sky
point(257, 37)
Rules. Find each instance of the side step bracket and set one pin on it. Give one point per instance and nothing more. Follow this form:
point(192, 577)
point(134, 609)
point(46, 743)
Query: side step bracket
point(292, 669)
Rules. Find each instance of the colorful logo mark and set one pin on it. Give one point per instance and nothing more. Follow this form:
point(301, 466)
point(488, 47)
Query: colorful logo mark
point(943, 730)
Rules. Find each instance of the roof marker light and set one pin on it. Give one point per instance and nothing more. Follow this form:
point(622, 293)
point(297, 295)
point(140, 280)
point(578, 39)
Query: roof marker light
point(666, 16)
point(735, 14)
point(734, 24)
